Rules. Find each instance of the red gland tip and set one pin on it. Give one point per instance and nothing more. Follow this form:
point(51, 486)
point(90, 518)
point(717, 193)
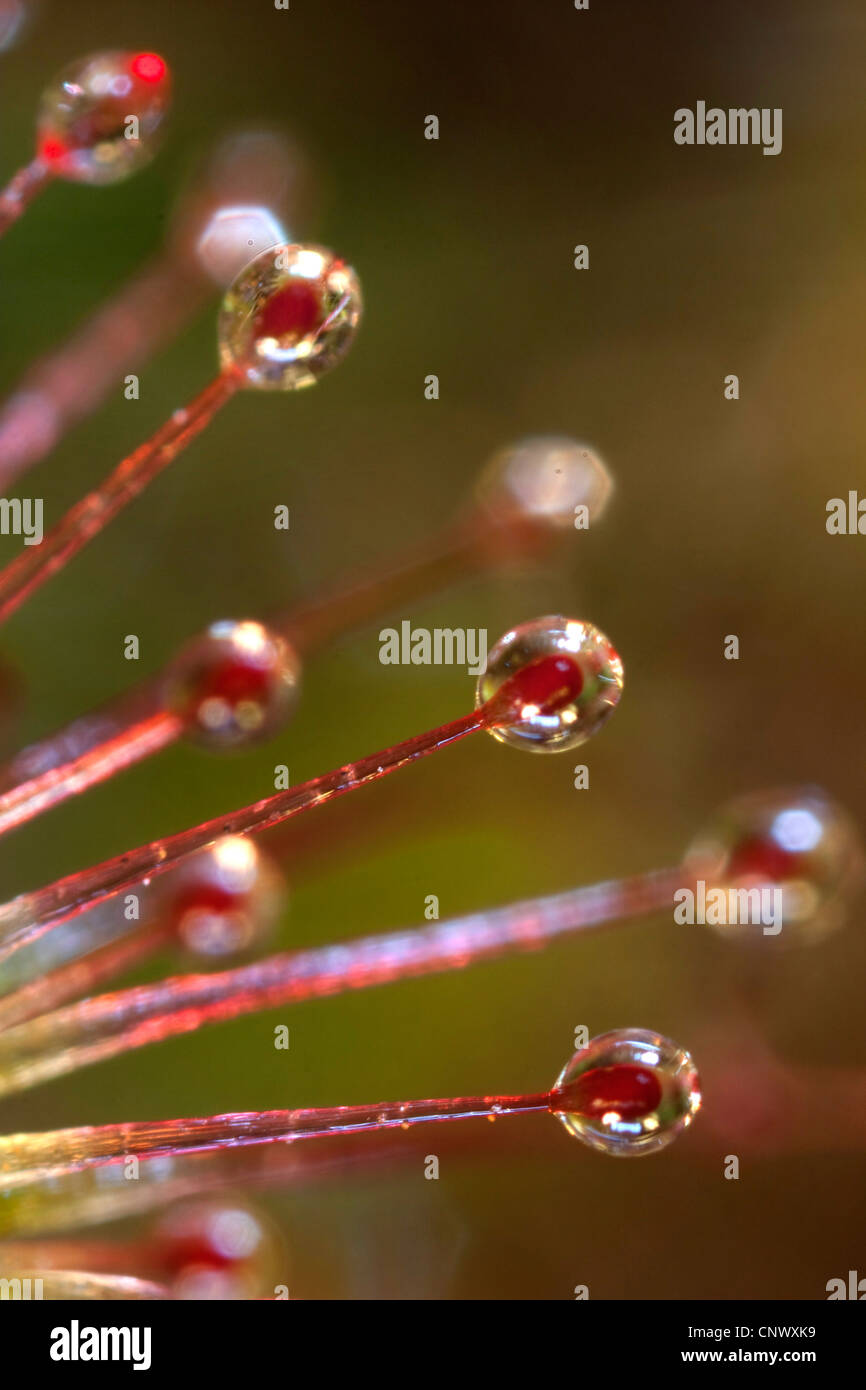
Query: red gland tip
point(630, 1090)
point(293, 312)
point(545, 685)
point(148, 67)
point(762, 859)
point(51, 148)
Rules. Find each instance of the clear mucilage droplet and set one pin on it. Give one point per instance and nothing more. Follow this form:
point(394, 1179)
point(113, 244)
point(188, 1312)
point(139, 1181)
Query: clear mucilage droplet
point(796, 841)
point(231, 236)
point(289, 317)
point(555, 681)
point(628, 1092)
point(223, 900)
point(234, 686)
point(99, 119)
point(215, 1249)
point(545, 479)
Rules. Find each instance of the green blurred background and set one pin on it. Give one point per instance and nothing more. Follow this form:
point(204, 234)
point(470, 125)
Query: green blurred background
point(556, 129)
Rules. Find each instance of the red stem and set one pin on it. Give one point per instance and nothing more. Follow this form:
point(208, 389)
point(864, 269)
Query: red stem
point(29, 916)
point(21, 190)
point(29, 570)
point(28, 1158)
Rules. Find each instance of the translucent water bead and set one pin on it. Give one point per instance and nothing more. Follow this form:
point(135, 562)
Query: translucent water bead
point(289, 317)
point(233, 686)
point(799, 841)
point(628, 1092)
point(223, 900)
point(551, 684)
point(545, 479)
point(216, 1249)
point(99, 118)
point(231, 236)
